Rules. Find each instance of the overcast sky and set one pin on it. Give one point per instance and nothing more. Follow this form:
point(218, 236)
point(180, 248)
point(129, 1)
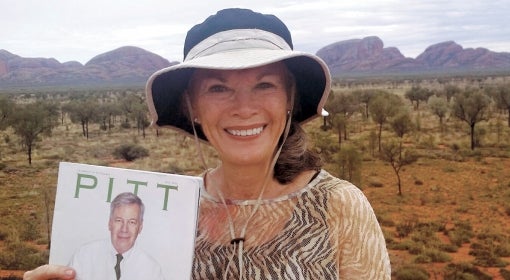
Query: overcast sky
point(81, 29)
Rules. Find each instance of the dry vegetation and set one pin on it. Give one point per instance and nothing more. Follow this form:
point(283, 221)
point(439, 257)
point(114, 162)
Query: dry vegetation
point(452, 220)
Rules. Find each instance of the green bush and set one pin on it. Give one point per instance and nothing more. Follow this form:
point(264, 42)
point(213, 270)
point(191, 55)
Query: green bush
point(464, 271)
point(125, 125)
point(450, 248)
point(405, 228)
point(402, 246)
point(505, 274)
point(19, 256)
point(461, 233)
point(385, 220)
point(30, 231)
point(411, 273)
point(486, 255)
point(490, 248)
point(3, 234)
point(130, 152)
point(432, 255)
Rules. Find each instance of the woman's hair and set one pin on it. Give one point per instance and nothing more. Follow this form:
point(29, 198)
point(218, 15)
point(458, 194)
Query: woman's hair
point(295, 157)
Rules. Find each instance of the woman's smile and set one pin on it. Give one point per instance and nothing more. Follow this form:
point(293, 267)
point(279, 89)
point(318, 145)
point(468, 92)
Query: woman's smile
point(245, 132)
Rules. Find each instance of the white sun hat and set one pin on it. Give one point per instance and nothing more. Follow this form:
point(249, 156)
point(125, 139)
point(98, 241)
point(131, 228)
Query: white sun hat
point(237, 39)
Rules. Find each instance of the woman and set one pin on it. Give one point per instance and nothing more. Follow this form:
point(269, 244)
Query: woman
point(268, 210)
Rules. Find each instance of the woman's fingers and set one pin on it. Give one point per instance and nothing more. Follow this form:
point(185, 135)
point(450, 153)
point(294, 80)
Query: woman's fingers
point(48, 271)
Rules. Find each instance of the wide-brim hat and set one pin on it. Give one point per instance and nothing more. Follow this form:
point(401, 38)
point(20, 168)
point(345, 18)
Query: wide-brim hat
point(236, 39)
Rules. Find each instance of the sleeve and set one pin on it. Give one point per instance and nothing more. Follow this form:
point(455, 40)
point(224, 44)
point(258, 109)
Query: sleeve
point(362, 248)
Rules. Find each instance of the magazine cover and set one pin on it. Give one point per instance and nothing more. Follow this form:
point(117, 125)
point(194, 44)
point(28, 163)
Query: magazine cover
point(88, 233)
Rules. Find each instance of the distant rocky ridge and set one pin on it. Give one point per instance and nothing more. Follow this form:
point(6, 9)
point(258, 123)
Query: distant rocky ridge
point(132, 65)
point(369, 56)
point(122, 66)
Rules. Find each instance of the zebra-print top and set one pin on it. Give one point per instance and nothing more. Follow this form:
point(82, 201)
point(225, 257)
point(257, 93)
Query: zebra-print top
point(327, 230)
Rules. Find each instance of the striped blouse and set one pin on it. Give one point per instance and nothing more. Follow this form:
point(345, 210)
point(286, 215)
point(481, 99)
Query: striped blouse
point(326, 230)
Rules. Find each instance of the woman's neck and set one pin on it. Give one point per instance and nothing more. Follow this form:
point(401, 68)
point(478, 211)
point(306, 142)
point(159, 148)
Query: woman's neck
point(239, 183)
point(244, 183)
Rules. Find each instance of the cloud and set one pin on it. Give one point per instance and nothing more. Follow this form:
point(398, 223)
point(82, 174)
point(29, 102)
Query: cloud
point(79, 30)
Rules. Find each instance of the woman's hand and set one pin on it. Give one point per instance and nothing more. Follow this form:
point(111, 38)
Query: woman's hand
point(49, 271)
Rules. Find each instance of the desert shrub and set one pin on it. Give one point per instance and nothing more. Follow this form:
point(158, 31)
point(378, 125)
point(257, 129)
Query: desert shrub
point(507, 210)
point(464, 271)
point(3, 234)
point(461, 233)
point(449, 169)
point(386, 221)
point(455, 147)
point(130, 152)
point(505, 274)
point(30, 231)
point(428, 142)
point(433, 255)
point(375, 183)
point(405, 228)
point(450, 248)
point(416, 248)
point(388, 236)
point(125, 125)
point(19, 256)
point(411, 273)
point(402, 246)
point(418, 182)
point(489, 250)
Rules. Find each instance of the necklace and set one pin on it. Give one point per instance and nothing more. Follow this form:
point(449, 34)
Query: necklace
point(238, 241)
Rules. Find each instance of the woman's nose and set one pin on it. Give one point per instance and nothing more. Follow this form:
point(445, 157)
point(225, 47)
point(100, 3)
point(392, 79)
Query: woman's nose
point(244, 103)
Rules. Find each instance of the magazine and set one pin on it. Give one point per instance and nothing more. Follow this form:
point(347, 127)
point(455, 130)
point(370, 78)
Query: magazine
point(82, 214)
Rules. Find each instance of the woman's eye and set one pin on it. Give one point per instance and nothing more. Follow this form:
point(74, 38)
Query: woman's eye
point(265, 86)
point(217, 88)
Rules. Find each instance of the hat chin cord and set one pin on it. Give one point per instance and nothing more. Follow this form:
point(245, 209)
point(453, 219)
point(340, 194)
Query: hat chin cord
point(238, 241)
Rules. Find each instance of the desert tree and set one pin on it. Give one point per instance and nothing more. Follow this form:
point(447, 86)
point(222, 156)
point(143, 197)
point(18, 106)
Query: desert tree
point(450, 91)
point(401, 123)
point(82, 111)
point(133, 107)
point(501, 96)
point(416, 94)
point(472, 107)
point(364, 96)
point(392, 153)
point(439, 107)
point(341, 108)
point(129, 104)
point(349, 162)
point(140, 115)
point(384, 106)
point(106, 113)
point(6, 109)
point(31, 121)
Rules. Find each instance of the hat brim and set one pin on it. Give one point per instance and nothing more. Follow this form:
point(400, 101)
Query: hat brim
point(165, 87)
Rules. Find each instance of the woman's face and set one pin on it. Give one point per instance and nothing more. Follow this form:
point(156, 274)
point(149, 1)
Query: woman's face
point(242, 112)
